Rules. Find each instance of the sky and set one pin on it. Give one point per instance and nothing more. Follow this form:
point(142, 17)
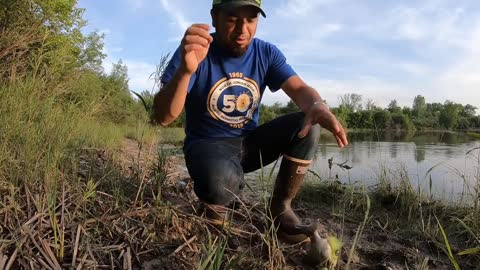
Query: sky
point(380, 49)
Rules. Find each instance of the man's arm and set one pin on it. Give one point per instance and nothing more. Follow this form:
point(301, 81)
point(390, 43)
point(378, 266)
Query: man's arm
point(316, 111)
point(302, 94)
point(168, 103)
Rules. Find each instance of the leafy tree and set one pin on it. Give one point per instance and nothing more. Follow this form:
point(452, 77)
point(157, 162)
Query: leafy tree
point(360, 119)
point(393, 107)
point(474, 122)
point(91, 56)
point(366, 119)
point(401, 121)
point(353, 120)
point(342, 114)
point(419, 107)
point(290, 108)
point(119, 74)
point(407, 111)
point(468, 111)
point(40, 36)
point(434, 107)
point(464, 123)
point(118, 105)
point(351, 101)
point(266, 114)
point(277, 108)
point(370, 105)
point(382, 119)
point(449, 116)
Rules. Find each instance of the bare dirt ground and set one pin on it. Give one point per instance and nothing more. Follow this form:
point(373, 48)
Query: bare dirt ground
point(175, 236)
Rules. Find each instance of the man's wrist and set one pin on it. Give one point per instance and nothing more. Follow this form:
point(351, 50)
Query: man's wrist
point(183, 71)
point(320, 102)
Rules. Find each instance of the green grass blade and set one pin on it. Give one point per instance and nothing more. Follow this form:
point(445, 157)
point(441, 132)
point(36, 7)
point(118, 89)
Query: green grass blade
point(358, 233)
point(447, 245)
point(470, 251)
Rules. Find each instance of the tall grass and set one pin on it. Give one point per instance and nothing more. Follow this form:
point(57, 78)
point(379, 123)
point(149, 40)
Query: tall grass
point(359, 233)
point(34, 140)
point(214, 257)
point(172, 135)
point(42, 137)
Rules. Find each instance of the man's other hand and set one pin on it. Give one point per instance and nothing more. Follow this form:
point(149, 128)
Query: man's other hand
point(319, 113)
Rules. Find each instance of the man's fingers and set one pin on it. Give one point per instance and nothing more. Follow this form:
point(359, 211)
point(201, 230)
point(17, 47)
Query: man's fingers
point(341, 137)
point(193, 47)
point(194, 39)
point(195, 30)
point(201, 25)
point(339, 141)
point(305, 129)
point(344, 139)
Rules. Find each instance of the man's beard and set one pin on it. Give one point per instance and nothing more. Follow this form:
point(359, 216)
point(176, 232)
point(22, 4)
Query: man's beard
point(230, 48)
point(235, 51)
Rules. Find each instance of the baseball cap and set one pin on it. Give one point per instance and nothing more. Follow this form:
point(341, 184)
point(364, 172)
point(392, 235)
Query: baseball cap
point(230, 4)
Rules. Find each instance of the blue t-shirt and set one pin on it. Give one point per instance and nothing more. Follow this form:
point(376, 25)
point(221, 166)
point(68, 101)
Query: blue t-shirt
point(224, 94)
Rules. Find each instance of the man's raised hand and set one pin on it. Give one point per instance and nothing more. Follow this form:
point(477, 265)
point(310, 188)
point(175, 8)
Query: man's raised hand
point(195, 45)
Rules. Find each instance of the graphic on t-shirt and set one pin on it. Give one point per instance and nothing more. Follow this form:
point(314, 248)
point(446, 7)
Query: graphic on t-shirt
point(234, 100)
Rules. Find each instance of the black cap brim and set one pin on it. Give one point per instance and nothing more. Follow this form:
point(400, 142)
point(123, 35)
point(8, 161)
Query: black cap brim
point(237, 4)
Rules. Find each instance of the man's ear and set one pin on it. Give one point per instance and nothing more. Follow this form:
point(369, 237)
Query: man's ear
point(214, 14)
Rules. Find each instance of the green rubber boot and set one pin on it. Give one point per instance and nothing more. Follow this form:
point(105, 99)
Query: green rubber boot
point(289, 180)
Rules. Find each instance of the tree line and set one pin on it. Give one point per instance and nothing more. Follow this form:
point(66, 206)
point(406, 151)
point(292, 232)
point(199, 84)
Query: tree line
point(353, 113)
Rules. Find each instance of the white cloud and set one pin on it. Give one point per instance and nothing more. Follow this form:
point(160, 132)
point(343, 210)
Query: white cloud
point(382, 51)
point(139, 73)
point(415, 69)
point(427, 23)
point(461, 81)
point(177, 16)
point(380, 91)
point(301, 8)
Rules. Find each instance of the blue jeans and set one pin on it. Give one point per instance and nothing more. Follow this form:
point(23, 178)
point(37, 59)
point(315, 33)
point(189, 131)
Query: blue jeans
point(217, 166)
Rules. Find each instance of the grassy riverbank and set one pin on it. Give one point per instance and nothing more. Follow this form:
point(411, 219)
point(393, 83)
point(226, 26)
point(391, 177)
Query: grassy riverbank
point(404, 227)
point(75, 195)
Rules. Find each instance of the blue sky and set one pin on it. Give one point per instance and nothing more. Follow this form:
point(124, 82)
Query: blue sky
point(380, 49)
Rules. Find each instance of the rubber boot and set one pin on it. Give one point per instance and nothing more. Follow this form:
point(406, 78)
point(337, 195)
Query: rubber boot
point(289, 180)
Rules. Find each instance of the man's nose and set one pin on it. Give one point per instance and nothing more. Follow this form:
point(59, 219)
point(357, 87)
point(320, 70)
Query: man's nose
point(241, 26)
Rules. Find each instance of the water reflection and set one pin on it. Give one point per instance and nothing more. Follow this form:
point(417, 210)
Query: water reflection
point(393, 150)
point(439, 155)
point(414, 153)
point(420, 152)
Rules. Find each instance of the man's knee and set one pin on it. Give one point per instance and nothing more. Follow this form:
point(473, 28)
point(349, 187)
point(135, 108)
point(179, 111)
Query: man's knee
point(305, 148)
point(313, 136)
point(314, 133)
point(217, 181)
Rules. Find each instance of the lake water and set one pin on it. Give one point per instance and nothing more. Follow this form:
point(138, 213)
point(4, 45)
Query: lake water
point(439, 156)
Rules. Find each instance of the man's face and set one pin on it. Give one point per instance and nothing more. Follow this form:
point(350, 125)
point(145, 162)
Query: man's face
point(235, 29)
